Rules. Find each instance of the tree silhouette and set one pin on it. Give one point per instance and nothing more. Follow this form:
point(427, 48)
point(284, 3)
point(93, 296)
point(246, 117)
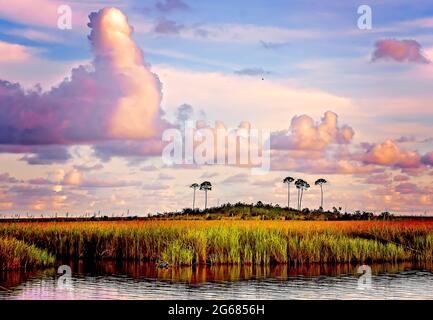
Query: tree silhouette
point(298, 185)
point(206, 186)
point(305, 186)
point(288, 180)
point(301, 185)
point(320, 182)
point(194, 186)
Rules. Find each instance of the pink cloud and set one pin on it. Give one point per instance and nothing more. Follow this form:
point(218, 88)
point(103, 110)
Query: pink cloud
point(7, 178)
point(427, 159)
point(401, 178)
point(88, 168)
point(13, 53)
point(79, 179)
point(149, 168)
point(399, 50)
point(237, 178)
point(305, 134)
point(408, 188)
point(128, 149)
point(117, 97)
point(40, 12)
point(389, 153)
point(163, 176)
point(39, 154)
point(42, 197)
point(282, 161)
point(414, 172)
point(380, 179)
point(325, 148)
point(108, 183)
point(30, 12)
point(40, 181)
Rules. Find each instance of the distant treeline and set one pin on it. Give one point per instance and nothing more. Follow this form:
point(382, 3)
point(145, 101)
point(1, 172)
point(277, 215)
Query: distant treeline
point(262, 211)
point(237, 211)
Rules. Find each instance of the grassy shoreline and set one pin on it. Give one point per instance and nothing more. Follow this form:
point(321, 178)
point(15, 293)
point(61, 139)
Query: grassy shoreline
point(231, 242)
point(16, 254)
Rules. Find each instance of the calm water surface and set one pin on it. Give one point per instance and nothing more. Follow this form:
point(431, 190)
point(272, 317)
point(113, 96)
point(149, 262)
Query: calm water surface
point(109, 280)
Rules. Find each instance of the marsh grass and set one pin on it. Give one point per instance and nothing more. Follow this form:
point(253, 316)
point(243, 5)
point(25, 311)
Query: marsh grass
point(16, 254)
point(231, 242)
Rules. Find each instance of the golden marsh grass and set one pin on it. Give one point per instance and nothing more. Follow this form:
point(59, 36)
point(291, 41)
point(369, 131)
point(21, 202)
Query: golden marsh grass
point(231, 242)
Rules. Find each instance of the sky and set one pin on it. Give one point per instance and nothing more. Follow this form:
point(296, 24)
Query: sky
point(85, 109)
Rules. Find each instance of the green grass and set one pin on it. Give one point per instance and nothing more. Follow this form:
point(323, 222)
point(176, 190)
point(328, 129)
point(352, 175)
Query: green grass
point(16, 254)
point(226, 242)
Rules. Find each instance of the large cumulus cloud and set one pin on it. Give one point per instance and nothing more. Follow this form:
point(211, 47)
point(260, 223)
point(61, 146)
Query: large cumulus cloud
point(117, 97)
point(389, 153)
point(305, 134)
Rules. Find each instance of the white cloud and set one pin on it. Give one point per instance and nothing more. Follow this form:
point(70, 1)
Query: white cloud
point(231, 98)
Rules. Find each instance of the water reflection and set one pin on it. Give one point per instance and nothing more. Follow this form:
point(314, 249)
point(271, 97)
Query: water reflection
point(110, 280)
point(202, 274)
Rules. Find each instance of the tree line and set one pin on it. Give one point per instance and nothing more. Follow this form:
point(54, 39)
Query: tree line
point(300, 184)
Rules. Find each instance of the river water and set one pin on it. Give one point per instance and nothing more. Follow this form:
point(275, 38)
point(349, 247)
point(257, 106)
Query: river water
point(108, 280)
